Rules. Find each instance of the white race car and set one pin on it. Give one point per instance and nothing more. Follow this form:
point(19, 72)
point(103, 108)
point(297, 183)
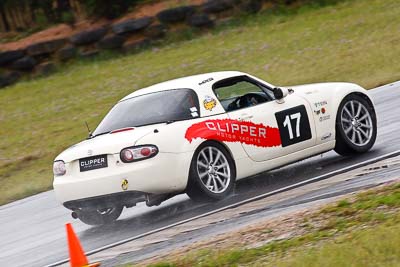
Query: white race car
point(199, 134)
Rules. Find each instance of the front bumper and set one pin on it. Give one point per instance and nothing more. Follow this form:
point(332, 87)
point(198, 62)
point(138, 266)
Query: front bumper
point(165, 173)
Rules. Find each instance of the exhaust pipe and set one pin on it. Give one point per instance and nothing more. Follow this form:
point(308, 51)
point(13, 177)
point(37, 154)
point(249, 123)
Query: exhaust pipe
point(74, 215)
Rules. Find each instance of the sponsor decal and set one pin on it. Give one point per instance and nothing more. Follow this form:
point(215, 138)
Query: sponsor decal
point(324, 118)
point(92, 163)
point(319, 111)
point(209, 103)
point(124, 184)
point(193, 112)
point(326, 136)
point(321, 103)
point(206, 81)
point(228, 130)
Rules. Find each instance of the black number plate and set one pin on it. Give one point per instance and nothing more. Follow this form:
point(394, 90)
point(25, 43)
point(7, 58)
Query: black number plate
point(294, 126)
point(93, 163)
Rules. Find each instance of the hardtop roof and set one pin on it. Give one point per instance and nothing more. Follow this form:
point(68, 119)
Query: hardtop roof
point(194, 82)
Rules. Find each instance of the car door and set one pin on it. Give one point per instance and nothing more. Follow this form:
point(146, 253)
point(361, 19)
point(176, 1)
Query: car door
point(266, 128)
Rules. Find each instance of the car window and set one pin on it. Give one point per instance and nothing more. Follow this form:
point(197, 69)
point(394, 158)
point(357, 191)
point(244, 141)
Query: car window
point(241, 92)
point(159, 107)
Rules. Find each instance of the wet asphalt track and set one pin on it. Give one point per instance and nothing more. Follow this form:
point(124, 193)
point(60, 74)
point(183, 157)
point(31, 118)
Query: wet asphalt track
point(32, 230)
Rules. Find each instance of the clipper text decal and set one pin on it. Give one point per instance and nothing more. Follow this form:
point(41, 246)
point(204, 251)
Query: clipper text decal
point(235, 131)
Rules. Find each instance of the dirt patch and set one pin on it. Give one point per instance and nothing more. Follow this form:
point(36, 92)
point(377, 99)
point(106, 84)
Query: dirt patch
point(55, 32)
point(152, 9)
point(65, 31)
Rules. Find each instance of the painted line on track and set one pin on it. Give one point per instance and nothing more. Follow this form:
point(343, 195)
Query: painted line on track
point(277, 191)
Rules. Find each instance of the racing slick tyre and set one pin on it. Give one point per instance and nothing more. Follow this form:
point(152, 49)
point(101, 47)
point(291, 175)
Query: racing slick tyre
point(99, 216)
point(356, 126)
point(212, 173)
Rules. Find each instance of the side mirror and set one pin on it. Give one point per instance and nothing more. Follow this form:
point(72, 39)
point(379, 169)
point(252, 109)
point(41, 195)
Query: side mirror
point(280, 93)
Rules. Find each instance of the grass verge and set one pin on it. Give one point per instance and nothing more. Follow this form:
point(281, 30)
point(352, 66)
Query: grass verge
point(352, 41)
point(360, 231)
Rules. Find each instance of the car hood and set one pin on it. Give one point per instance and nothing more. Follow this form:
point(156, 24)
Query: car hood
point(111, 143)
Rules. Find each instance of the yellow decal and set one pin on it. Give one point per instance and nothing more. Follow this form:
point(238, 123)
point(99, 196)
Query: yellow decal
point(209, 103)
point(124, 185)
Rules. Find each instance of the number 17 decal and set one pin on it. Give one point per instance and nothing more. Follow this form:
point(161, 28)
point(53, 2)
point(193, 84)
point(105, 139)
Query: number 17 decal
point(294, 126)
point(288, 124)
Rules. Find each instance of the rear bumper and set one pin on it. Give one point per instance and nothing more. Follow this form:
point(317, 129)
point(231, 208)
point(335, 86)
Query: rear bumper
point(163, 174)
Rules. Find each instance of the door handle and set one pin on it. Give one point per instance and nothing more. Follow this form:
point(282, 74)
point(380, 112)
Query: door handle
point(245, 117)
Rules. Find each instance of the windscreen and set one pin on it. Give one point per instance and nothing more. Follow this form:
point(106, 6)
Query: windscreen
point(158, 107)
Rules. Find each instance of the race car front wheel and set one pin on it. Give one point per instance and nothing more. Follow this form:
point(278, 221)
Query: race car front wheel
point(212, 173)
point(355, 126)
point(99, 216)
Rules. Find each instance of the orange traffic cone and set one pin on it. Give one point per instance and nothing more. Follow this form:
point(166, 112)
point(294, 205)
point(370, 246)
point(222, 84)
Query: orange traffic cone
point(77, 257)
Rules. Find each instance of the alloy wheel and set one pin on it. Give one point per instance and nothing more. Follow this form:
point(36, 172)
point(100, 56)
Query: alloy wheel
point(357, 123)
point(213, 169)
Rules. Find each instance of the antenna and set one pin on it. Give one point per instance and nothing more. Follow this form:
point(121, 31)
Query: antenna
point(87, 126)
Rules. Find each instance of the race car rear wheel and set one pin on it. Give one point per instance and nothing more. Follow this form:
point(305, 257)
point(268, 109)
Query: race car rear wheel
point(99, 216)
point(212, 173)
point(355, 126)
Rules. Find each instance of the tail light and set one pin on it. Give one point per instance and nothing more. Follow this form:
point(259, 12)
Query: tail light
point(59, 168)
point(136, 153)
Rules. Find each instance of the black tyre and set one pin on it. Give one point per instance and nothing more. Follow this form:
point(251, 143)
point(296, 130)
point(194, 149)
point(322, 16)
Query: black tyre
point(356, 126)
point(212, 173)
point(99, 216)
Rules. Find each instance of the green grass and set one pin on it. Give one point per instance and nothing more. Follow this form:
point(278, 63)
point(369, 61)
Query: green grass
point(363, 231)
point(354, 41)
point(373, 247)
